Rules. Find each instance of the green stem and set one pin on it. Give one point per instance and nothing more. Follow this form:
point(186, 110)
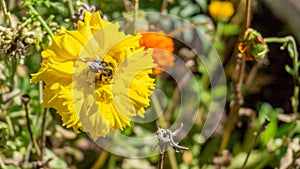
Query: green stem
point(43, 22)
point(71, 7)
point(172, 159)
point(156, 104)
point(219, 31)
point(127, 5)
point(100, 160)
point(10, 125)
point(2, 165)
point(161, 161)
point(41, 92)
point(164, 7)
point(295, 99)
point(135, 12)
point(290, 134)
point(25, 101)
point(23, 24)
point(112, 162)
point(7, 15)
point(291, 45)
point(43, 135)
point(162, 123)
point(292, 48)
point(235, 105)
point(247, 16)
point(261, 129)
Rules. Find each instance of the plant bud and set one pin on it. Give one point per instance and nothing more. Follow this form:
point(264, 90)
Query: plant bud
point(29, 40)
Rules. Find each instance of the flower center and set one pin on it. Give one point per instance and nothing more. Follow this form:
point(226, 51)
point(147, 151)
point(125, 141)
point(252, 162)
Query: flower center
point(103, 71)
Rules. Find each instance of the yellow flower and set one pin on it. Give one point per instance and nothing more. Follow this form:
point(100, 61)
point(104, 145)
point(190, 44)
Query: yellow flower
point(96, 77)
point(221, 10)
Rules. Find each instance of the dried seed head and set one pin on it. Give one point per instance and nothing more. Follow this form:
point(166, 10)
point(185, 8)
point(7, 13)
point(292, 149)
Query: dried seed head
point(25, 99)
point(165, 139)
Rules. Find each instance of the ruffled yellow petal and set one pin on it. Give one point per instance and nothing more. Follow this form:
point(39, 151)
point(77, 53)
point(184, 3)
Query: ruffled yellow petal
point(90, 101)
point(58, 71)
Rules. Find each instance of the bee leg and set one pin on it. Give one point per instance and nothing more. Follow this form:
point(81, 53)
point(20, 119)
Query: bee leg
point(100, 77)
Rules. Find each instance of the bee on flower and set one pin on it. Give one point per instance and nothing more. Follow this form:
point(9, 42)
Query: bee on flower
point(96, 77)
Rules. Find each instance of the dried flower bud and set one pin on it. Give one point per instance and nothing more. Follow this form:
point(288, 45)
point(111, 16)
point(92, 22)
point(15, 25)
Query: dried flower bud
point(253, 45)
point(25, 98)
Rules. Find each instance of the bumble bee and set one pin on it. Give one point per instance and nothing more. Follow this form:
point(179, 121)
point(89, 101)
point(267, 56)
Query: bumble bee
point(102, 69)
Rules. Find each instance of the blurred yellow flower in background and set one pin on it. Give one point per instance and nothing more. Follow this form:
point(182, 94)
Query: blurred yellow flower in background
point(96, 77)
point(163, 47)
point(221, 10)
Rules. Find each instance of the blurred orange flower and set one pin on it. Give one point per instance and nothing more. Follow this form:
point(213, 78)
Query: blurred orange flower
point(163, 47)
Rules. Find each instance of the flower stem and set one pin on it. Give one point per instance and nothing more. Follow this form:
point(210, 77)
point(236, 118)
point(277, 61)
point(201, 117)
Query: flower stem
point(25, 99)
point(10, 125)
point(161, 161)
point(220, 29)
point(111, 162)
point(43, 135)
point(41, 85)
point(100, 160)
point(238, 100)
point(135, 12)
point(43, 22)
point(156, 104)
point(247, 16)
point(162, 123)
point(127, 5)
point(261, 129)
point(2, 165)
point(290, 43)
point(7, 15)
point(235, 104)
point(164, 6)
point(172, 159)
point(71, 7)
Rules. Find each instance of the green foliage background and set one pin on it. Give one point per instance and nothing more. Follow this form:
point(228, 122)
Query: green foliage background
point(65, 149)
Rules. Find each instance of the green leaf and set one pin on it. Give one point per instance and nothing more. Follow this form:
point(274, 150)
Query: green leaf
point(56, 161)
point(184, 2)
point(59, 6)
point(267, 110)
point(257, 160)
point(290, 70)
point(3, 126)
point(205, 96)
point(175, 10)
point(231, 29)
point(285, 129)
point(203, 5)
point(189, 10)
point(219, 46)
point(166, 24)
point(200, 18)
point(219, 91)
point(188, 35)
